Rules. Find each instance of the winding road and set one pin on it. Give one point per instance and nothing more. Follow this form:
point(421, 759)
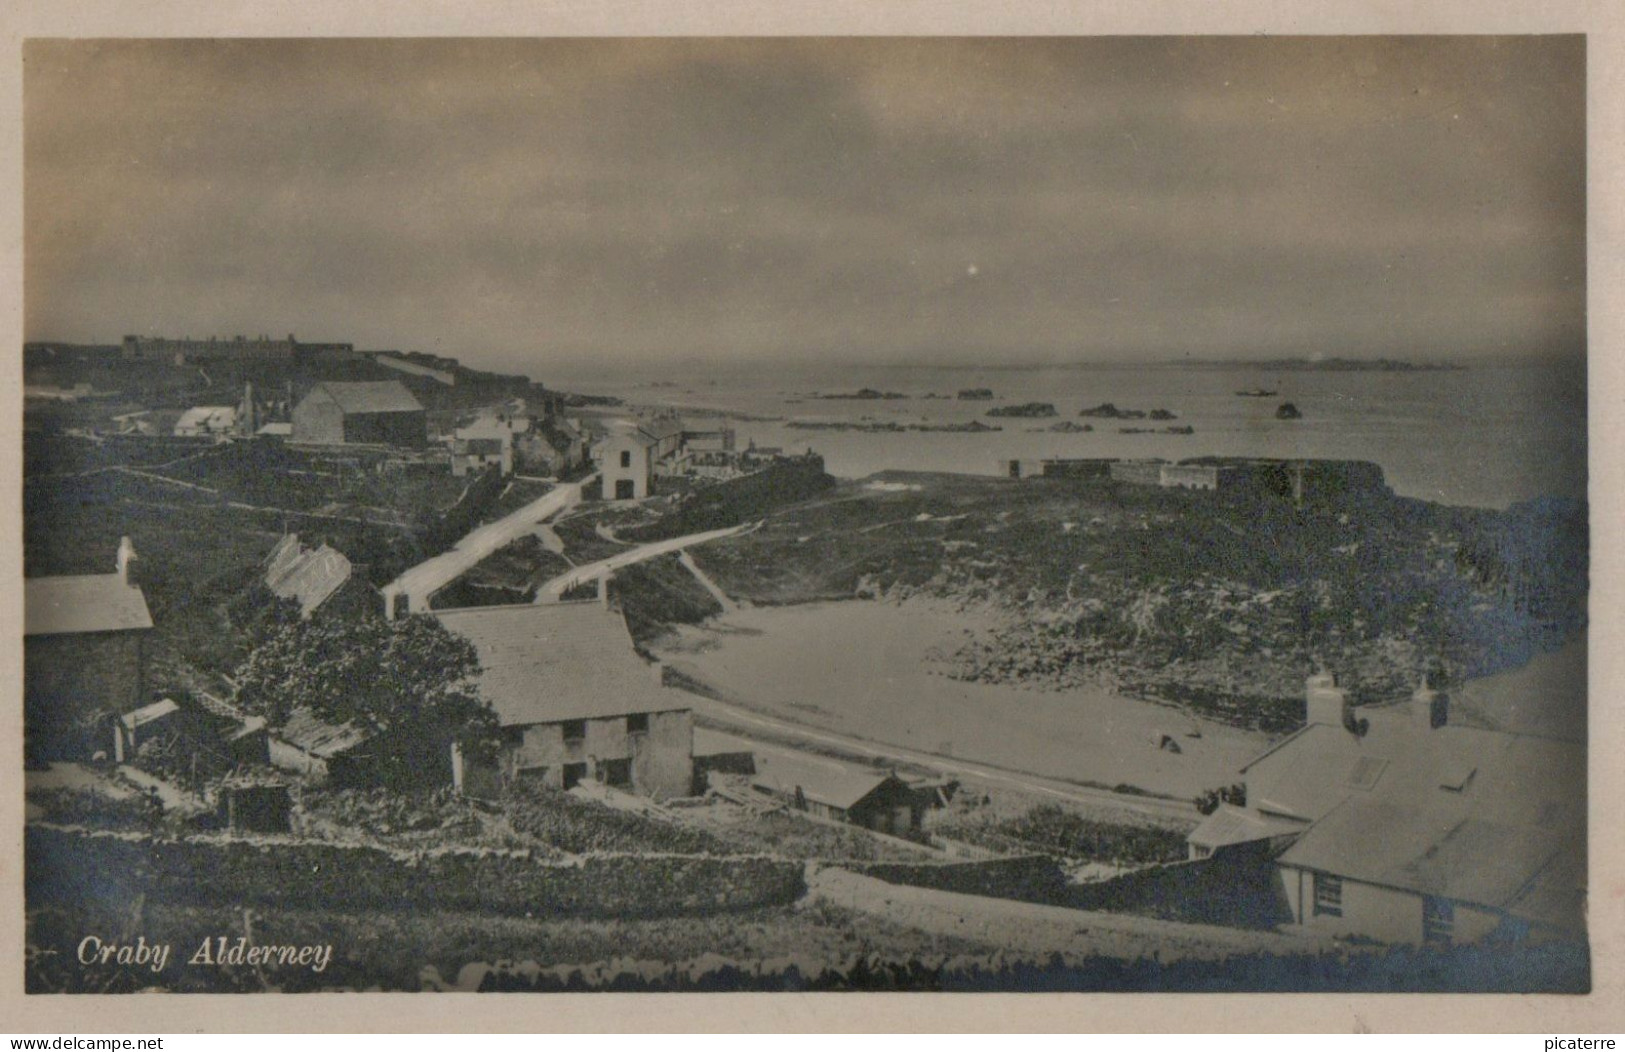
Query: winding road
point(428, 577)
point(550, 592)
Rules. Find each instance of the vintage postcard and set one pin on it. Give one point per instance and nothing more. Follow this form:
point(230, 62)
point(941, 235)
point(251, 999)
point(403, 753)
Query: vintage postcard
point(714, 515)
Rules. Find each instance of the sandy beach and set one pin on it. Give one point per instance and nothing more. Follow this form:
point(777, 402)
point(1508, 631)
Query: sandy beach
point(866, 668)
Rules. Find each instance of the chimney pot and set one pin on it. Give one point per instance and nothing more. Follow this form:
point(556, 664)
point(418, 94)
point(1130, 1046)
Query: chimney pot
point(1324, 701)
point(1430, 708)
point(126, 552)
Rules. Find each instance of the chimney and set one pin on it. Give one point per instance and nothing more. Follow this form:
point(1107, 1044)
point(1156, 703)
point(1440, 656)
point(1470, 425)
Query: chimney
point(1324, 701)
point(126, 553)
point(1430, 707)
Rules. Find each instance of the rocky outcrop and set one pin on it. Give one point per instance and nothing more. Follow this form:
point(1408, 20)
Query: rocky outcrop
point(1108, 411)
point(1029, 409)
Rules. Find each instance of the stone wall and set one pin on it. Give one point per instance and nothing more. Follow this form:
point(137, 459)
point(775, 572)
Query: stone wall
point(68, 678)
point(74, 865)
point(1234, 888)
point(1030, 878)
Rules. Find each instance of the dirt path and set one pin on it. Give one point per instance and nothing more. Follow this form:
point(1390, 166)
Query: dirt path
point(550, 592)
point(1028, 927)
point(727, 603)
point(423, 580)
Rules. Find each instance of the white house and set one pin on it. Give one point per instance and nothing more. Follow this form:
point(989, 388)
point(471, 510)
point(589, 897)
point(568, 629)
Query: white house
point(1394, 824)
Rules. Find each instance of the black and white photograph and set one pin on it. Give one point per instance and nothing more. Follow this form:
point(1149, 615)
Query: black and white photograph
point(719, 514)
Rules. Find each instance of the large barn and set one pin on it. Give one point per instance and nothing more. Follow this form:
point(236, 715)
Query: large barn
point(381, 412)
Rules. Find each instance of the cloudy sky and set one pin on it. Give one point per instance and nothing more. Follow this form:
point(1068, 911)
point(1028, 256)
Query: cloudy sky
point(1054, 200)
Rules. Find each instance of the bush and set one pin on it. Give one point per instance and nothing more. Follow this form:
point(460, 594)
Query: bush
point(580, 826)
point(1053, 830)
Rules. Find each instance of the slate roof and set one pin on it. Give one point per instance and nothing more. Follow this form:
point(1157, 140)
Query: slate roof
point(148, 713)
point(1464, 813)
point(371, 396)
point(821, 781)
point(1234, 825)
point(1315, 770)
point(310, 575)
point(207, 419)
point(84, 603)
point(305, 730)
point(550, 662)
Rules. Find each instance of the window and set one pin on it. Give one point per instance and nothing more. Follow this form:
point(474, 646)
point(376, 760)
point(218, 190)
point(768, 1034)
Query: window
point(575, 730)
point(573, 774)
point(637, 723)
point(616, 772)
point(626, 458)
point(1328, 895)
point(514, 735)
point(1438, 921)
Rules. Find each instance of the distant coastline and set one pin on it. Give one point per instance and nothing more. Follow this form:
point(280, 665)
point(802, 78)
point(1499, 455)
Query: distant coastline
point(1325, 365)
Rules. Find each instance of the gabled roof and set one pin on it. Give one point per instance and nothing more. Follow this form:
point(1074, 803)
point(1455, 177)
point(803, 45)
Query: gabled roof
point(310, 575)
point(372, 396)
point(148, 713)
point(1429, 850)
point(1234, 825)
point(1464, 813)
point(550, 662)
point(211, 418)
point(486, 427)
point(1316, 769)
point(305, 730)
point(821, 781)
point(85, 603)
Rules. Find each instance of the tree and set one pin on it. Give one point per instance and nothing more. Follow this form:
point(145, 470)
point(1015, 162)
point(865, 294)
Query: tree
point(408, 681)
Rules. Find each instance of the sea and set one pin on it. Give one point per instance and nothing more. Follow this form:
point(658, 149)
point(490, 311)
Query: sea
point(1487, 435)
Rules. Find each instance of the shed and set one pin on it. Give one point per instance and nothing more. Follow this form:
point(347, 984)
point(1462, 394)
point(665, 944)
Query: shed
point(828, 789)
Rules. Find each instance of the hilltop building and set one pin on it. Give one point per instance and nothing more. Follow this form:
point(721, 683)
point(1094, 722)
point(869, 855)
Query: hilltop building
point(1397, 825)
point(575, 702)
point(84, 658)
point(378, 412)
point(237, 348)
point(1300, 481)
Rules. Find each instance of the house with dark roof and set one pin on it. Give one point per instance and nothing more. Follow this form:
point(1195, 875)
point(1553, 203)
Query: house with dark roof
point(838, 792)
point(84, 658)
point(1394, 824)
point(575, 702)
point(372, 412)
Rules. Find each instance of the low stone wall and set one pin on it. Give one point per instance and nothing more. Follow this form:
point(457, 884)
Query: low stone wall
point(1236, 889)
point(79, 865)
point(1030, 878)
